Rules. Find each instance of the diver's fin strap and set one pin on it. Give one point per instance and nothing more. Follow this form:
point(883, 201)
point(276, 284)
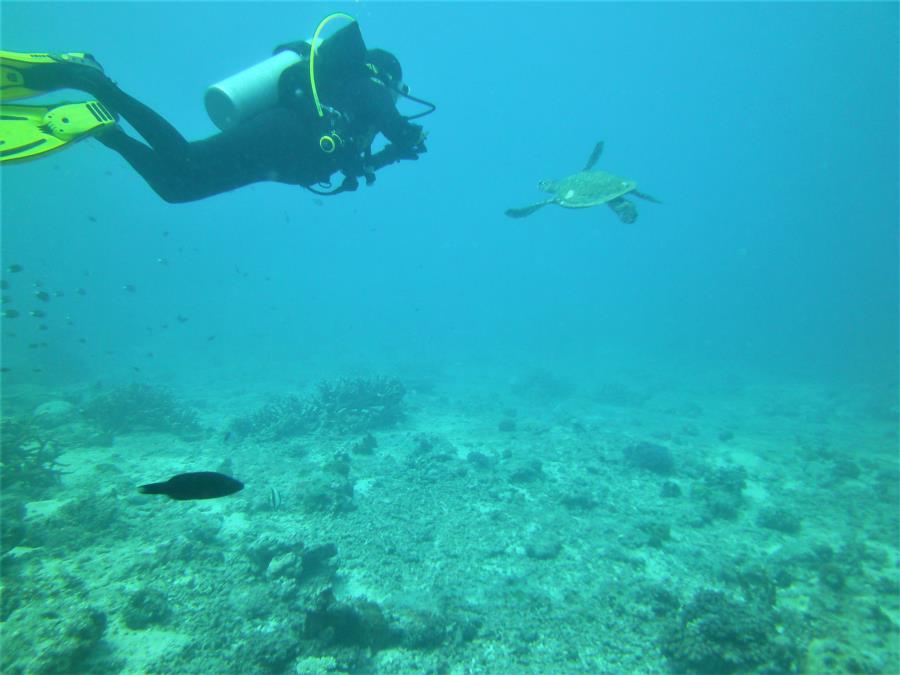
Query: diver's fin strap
point(29, 131)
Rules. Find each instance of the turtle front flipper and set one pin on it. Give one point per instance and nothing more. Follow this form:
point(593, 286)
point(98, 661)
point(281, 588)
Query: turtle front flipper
point(526, 210)
point(644, 195)
point(595, 155)
point(623, 208)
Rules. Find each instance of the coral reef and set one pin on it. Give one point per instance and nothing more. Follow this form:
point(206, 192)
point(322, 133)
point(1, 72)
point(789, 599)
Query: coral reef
point(345, 406)
point(361, 404)
point(139, 408)
point(721, 493)
point(29, 457)
point(283, 417)
point(714, 634)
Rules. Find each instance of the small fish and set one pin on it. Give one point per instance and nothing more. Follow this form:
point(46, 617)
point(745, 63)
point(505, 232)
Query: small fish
point(4, 369)
point(39, 313)
point(43, 296)
point(92, 219)
point(210, 338)
point(4, 284)
point(129, 287)
point(181, 319)
point(37, 284)
point(194, 485)
point(6, 299)
point(10, 313)
point(14, 268)
point(227, 437)
point(274, 498)
point(58, 294)
point(81, 291)
point(43, 326)
point(163, 261)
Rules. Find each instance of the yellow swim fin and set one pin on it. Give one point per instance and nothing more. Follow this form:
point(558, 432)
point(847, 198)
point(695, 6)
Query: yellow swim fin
point(30, 131)
point(23, 75)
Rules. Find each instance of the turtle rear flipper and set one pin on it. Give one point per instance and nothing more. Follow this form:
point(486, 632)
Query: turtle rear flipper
point(526, 210)
point(644, 195)
point(623, 208)
point(595, 155)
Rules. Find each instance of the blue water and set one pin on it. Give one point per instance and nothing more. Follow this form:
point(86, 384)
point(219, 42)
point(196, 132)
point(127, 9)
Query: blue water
point(769, 132)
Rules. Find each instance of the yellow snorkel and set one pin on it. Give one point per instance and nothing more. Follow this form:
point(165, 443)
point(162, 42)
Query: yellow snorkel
point(327, 143)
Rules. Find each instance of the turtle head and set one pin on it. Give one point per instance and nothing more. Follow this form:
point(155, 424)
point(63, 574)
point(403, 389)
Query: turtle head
point(547, 185)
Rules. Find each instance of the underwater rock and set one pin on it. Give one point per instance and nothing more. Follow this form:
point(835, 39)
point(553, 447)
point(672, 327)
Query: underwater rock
point(479, 460)
point(365, 445)
point(54, 413)
point(507, 425)
point(526, 471)
point(55, 642)
point(324, 494)
point(144, 608)
point(650, 457)
point(287, 565)
point(779, 519)
point(543, 547)
point(358, 624)
point(267, 546)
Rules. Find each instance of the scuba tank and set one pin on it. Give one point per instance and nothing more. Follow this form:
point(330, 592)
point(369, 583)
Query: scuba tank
point(241, 96)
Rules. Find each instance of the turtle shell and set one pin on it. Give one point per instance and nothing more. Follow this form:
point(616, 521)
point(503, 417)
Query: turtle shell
point(590, 188)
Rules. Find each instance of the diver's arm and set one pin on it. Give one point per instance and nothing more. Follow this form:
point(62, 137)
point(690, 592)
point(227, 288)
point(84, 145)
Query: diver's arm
point(379, 107)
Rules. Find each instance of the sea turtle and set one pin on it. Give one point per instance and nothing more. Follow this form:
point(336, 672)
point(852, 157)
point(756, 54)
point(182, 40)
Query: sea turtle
point(589, 188)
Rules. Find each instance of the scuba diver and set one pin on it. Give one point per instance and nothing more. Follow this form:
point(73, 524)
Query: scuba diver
point(305, 114)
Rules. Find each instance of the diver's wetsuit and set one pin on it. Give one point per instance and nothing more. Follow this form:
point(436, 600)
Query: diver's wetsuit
point(275, 145)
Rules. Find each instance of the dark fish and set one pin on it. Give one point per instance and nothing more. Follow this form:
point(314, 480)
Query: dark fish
point(4, 284)
point(38, 313)
point(44, 296)
point(129, 287)
point(4, 369)
point(10, 313)
point(181, 319)
point(6, 299)
point(195, 485)
point(14, 268)
point(163, 261)
point(81, 291)
point(58, 294)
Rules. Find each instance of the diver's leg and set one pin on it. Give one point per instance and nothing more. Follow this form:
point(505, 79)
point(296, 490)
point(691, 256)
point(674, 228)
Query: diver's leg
point(267, 147)
point(160, 172)
point(161, 135)
point(88, 76)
